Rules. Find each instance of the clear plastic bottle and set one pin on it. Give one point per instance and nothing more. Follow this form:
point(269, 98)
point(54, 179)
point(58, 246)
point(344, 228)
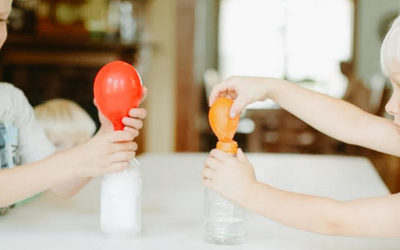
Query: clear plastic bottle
point(224, 220)
point(121, 202)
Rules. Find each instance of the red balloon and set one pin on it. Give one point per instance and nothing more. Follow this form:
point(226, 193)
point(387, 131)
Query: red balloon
point(117, 89)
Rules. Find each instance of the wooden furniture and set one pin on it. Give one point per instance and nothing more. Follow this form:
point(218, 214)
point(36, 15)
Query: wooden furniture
point(26, 49)
point(47, 67)
point(187, 91)
point(276, 130)
point(173, 207)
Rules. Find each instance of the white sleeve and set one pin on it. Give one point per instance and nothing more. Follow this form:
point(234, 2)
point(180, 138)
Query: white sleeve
point(33, 143)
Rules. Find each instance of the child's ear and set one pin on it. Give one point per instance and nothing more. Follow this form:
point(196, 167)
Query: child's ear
point(94, 102)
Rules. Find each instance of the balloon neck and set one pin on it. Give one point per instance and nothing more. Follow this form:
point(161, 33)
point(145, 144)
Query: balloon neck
point(229, 147)
point(118, 126)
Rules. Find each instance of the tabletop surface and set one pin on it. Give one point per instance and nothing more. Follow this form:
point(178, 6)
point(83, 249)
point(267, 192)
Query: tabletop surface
point(173, 207)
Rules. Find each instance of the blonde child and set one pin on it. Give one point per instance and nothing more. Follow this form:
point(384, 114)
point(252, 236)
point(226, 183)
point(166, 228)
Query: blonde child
point(65, 123)
point(369, 217)
point(27, 166)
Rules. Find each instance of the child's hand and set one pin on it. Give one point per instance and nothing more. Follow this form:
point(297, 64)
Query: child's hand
point(104, 153)
point(133, 123)
point(242, 90)
point(232, 177)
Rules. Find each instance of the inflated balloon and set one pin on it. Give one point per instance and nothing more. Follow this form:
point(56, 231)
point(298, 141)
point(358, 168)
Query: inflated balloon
point(117, 89)
point(223, 126)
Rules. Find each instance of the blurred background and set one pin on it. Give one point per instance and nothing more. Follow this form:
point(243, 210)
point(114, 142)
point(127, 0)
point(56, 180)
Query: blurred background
point(183, 47)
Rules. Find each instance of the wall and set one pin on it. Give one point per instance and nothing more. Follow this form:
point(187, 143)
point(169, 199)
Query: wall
point(370, 15)
point(160, 76)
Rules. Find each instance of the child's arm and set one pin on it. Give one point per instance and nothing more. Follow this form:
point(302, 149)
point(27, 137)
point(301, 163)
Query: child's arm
point(103, 154)
point(368, 217)
point(234, 179)
point(133, 123)
point(329, 115)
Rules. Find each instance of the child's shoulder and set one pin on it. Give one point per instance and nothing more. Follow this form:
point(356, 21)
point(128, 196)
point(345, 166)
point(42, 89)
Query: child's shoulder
point(13, 102)
point(9, 93)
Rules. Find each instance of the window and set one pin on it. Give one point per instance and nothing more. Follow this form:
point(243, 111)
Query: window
point(301, 40)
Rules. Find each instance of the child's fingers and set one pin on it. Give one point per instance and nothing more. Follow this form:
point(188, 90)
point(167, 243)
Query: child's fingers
point(138, 113)
point(213, 163)
point(132, 122)
point(119, 136)
point(133, 131)
point(207, 183)
point(237, 107)
point(217, 91)
point(125, 146)
point(208, 173)
point(241, 156)
point(232, 93)
point(219, 155)
point(116, 167)
point(124, 156)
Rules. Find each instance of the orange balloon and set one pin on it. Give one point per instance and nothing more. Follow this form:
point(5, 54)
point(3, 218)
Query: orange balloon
point(221, 123)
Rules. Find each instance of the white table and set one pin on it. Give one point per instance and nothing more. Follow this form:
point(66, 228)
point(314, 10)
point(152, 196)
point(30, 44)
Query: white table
point(173, 207)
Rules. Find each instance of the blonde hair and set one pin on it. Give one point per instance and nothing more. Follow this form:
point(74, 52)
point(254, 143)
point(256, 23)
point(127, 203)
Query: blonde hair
point(61, 116)
point(390, 50)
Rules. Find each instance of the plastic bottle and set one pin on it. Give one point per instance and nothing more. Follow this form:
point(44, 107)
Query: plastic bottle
point(121, 202)
point(224, 219)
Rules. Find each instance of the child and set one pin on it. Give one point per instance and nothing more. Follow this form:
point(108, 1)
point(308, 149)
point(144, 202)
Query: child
point(65, 123)
point(23, 144)
point(234, 177)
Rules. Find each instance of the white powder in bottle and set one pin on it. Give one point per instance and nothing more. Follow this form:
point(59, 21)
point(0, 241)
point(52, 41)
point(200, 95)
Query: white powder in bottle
point(121, 202)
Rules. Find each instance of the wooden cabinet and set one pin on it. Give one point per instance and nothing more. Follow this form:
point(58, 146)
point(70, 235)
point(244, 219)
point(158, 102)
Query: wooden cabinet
point(276, 130)
point(47, 67)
